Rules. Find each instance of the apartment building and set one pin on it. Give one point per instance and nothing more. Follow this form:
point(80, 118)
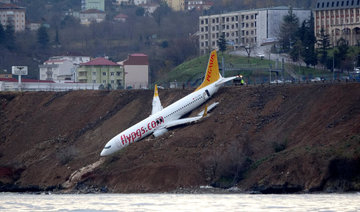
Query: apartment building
point(244, 28)
point(14, 15)
point(339, 19)
point(61, 68)
point(101, 70)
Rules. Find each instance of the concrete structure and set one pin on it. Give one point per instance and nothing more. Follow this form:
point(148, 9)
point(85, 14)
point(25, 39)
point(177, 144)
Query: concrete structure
point(339, 19)
point(101, 71)
point(176, 5)
point(92, 15)
point(14, 15)
point(11, 84)
point(244, 28)
point(93, 4)
point(136, 69)
point(61, 68)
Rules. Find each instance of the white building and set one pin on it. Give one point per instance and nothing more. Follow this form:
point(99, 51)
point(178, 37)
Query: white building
point(244, 28)
point(61, 68)
point(93, 4)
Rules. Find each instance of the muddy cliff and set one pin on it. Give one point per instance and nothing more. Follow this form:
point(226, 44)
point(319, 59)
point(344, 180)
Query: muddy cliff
point(267, 139)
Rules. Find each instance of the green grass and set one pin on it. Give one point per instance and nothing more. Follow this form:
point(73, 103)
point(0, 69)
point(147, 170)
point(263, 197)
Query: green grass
point(194, 69)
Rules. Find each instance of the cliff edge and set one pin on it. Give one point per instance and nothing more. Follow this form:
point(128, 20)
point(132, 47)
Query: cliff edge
point(267, 139)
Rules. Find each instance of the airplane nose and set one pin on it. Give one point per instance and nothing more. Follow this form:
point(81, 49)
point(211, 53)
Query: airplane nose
point(103, 153)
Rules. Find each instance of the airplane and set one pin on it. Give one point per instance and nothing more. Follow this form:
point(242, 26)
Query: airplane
point(161, 119)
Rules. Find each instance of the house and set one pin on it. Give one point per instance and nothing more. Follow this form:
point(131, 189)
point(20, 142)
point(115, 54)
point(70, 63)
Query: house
point(136, 68)
point(121, 18)
point(61, 68)
point(176, 5)
point(198, 5)
point(6, 74)
point(122, 2)
point(93, 4)
point(244, 28)
point(92, 15)
point(138, 2)
point(338, 19)
point(14, 15)
point(149, 8)
point(101, 70)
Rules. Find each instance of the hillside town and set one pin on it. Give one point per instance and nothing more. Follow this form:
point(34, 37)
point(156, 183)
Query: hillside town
point(330, 21)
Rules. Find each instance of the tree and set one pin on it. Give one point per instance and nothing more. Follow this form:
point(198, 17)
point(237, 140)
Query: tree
point(140, 11)
point(323, 44)
point(308, 40)
point(10, 37)
point(2, 34)
point(43, 37)
point(160, 12)
point(222, 43)
point(288, 31)
point(305, 49)
point(341, 54)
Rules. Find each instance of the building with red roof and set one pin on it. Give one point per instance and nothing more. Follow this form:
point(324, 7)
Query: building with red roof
point(136, 68)
point(92, 15)
point(103, 71)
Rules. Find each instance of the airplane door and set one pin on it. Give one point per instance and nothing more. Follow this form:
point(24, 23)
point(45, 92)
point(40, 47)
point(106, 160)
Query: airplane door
point(206, 94)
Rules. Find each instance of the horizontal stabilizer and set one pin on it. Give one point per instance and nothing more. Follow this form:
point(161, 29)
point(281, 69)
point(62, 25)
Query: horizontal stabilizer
point(224, 80)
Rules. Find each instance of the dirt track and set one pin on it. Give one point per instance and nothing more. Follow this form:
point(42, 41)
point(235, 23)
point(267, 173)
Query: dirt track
point(268, 139)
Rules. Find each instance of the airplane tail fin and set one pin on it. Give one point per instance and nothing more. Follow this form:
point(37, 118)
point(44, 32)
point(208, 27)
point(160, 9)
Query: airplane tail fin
point(212, 71)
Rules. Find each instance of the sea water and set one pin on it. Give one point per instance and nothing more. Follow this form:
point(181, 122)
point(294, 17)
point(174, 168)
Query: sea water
point(179, 202)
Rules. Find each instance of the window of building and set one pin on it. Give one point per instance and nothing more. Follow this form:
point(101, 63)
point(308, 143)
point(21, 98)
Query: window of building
point(232, 18)
point(94, 81)
point(342, 3)
point(206, 21)
point(94, 73)
point(202, 21)
point(213, 21)
point(227, 19)
point(104, 81)
point(118, 73)
point(252, 16)
point(112, 73)
point(247, 17)
point(206, 28)
point(112, 81)
point(104, 73)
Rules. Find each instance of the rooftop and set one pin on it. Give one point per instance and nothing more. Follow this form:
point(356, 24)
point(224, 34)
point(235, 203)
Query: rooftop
point(336, 4)
point(100, 61)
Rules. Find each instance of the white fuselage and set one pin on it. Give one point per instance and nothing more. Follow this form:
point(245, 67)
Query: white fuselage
point(158, 120)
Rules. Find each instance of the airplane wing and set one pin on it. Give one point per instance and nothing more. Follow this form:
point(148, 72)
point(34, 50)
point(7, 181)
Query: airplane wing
point(192, 119)
point(156, 104)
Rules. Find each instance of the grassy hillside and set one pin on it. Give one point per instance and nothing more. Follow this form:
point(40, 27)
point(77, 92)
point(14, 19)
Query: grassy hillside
point(193, 70)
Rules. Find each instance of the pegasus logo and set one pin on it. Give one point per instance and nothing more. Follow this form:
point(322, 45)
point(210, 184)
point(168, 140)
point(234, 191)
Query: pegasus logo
point(208, 75)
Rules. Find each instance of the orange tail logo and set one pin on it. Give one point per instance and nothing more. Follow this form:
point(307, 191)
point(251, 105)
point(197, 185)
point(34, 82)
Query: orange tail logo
point(212, 72)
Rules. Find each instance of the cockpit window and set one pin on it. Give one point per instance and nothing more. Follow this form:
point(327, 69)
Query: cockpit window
point(107, 147)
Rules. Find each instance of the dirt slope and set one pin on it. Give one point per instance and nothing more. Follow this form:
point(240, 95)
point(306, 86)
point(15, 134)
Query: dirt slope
point(268, 139)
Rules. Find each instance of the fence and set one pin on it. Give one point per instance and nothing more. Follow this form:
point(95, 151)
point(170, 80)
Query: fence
point(40, 86)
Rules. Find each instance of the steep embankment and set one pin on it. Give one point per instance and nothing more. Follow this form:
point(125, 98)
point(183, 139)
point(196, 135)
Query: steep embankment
point(268, 139)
